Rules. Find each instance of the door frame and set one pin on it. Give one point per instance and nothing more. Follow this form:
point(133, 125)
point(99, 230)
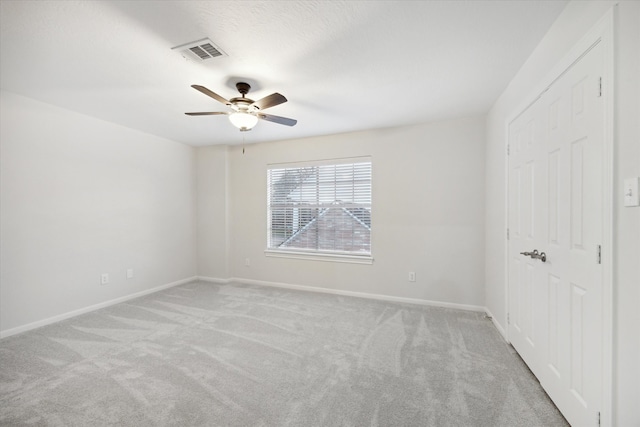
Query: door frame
point(603, 33)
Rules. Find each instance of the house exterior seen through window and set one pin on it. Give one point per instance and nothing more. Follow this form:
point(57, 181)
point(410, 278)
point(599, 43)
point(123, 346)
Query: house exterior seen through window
point(322, 208)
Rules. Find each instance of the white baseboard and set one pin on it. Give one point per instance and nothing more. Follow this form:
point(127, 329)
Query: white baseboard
point(59, 317)
point(497, 324)
point(467, 307)
point(214, 280)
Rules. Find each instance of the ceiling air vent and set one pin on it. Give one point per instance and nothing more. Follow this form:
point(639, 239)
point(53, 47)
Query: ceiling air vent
point(201, 50)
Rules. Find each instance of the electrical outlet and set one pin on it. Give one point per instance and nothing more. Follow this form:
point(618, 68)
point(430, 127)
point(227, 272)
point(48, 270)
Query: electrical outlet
point(412, 276)
point(129, 273)
point(104, 278)
point(247, 262)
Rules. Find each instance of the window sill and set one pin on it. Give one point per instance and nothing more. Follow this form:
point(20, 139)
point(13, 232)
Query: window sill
point(352, 259)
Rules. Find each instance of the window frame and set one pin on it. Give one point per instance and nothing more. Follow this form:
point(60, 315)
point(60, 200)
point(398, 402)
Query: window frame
point(312, 254)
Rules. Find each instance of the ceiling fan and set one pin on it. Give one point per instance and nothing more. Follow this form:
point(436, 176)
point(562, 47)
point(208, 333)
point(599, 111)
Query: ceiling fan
point(246, 112)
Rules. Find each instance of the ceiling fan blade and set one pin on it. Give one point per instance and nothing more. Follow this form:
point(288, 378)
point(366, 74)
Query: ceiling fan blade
point(277, 119)
point(213, 113)
point(270, 101)
point(211, 94)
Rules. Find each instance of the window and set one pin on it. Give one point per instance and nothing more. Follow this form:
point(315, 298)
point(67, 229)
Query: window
point(320, 209)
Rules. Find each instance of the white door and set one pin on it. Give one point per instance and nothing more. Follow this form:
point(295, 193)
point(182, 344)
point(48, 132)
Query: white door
point(555, 207)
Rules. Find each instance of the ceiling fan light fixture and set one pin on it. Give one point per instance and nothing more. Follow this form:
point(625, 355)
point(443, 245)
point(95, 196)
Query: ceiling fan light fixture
point(243, 121)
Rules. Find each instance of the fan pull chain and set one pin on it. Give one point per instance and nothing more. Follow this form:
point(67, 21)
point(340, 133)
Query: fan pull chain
point(243, 143)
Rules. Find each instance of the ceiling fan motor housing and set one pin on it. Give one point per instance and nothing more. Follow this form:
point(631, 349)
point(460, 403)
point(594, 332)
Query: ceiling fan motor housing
point(243, 88)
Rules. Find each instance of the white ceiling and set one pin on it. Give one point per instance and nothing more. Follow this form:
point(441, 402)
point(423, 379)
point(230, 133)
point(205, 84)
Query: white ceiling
point(343, 65)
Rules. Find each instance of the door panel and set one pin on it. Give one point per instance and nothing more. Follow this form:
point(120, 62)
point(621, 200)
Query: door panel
point(555, 206)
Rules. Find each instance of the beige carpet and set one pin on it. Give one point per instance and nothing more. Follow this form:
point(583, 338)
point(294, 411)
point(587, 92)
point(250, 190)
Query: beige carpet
point(233, 355)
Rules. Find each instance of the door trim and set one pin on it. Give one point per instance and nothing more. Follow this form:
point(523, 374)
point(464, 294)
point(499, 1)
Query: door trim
point(603, 33)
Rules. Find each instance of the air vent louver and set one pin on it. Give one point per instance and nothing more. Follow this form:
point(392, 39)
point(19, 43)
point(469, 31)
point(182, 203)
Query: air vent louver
point(201, 50)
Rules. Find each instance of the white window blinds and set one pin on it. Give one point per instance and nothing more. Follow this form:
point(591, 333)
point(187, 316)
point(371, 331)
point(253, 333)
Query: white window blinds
point(324, 208)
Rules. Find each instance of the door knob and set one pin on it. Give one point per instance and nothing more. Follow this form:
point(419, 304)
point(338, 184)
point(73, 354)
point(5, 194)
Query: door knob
point(541, 256)
point(536, 255)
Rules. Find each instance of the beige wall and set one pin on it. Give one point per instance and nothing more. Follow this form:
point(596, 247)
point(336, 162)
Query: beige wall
point(627, 220)
point(212, 211)
point(81, 197)
point(428, 207)
point(577, 18)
